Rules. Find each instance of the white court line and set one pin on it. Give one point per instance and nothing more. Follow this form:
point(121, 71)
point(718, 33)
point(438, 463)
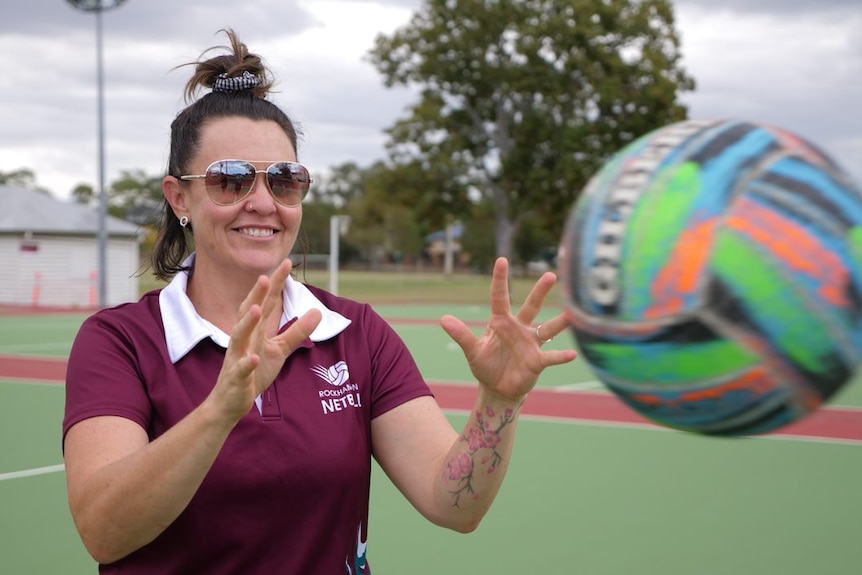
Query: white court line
point(579, 385)
point(32, 472)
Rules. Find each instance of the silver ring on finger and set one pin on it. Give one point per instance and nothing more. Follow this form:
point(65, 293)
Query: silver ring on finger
point(539, 336)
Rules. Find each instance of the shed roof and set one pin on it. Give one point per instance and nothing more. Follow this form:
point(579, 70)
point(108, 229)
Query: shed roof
point(27, 210)
point(440, 235)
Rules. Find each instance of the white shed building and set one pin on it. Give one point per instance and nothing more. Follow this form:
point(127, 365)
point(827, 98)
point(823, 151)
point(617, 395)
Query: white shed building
point(49, 253)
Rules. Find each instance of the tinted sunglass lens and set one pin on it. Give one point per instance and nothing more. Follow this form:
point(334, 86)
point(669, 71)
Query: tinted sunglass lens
point(228, 182)
point(289, 182)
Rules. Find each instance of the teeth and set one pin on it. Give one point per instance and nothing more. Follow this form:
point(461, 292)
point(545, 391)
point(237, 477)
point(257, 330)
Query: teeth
point(256, 232)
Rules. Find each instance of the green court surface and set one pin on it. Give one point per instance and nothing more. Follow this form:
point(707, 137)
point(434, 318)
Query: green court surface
point(47, 335)
point(579, 498)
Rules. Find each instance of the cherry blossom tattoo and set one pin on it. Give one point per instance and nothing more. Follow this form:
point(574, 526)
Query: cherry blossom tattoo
point(484, 438)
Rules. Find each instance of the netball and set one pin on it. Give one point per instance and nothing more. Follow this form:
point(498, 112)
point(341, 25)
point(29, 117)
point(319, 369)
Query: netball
point(712, 275)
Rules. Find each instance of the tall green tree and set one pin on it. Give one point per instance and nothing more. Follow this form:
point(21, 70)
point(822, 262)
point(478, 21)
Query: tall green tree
point(523, 100)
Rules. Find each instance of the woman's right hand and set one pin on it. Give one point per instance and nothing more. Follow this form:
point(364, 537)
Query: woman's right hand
point(115, 473)
point(254, 357)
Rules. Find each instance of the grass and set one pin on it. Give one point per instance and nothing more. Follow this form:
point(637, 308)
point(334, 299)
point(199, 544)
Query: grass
point(405, 286)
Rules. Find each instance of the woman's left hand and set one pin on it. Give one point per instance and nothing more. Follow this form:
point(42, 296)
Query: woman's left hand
point(507, 358)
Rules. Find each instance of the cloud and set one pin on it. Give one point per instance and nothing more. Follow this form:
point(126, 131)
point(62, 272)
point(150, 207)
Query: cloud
point(774, 67)
point(778, 8)
point(48, 106)
point(791, 63)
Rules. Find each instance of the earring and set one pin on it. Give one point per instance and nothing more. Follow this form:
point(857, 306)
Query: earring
point(184, 221)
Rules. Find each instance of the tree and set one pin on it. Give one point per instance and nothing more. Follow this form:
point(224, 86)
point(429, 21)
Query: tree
point(340, 187)
point(478, 238)
point(333, 194)
point(533, 242)
point(135, 196)
point(23, 177)
point(386, 222)
point(84, 194)
point(522, 101)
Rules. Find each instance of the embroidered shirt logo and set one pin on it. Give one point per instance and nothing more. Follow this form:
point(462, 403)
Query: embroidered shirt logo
point(346, 395)
point(335, 375)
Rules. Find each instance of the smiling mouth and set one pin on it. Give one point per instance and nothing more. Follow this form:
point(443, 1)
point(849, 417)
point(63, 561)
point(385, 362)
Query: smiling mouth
point(256, 232)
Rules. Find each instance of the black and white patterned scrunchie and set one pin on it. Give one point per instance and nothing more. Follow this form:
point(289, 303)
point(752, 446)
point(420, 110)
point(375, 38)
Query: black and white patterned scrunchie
point(237, 83)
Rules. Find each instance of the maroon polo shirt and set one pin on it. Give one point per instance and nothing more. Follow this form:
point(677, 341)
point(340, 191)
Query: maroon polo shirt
point(289, 491)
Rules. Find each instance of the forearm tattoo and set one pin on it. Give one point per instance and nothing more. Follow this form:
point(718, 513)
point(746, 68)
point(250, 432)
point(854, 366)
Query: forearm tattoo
point(482, 440)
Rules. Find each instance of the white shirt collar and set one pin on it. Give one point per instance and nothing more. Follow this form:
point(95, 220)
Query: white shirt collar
point(184, 327)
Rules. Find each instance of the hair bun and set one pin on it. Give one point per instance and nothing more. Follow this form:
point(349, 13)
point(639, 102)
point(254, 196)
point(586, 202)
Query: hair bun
point(234, 71)
point(227, 84)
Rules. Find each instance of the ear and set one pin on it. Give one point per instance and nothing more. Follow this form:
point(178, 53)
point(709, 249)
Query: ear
point(175, 195)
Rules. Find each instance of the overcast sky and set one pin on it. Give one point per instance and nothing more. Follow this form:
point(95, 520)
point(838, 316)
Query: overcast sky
point(793, 63)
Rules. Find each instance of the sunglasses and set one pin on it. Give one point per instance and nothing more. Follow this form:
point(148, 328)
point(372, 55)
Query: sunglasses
point(228, 182)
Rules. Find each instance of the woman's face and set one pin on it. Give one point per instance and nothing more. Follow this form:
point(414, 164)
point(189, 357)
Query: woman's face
point(256, 234)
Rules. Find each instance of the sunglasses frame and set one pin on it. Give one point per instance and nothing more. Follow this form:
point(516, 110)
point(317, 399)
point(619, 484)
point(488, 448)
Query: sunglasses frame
point(256, 172)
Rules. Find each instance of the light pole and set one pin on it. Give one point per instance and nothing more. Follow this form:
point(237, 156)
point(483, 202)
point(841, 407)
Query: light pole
point(99, 6)
point(338, 226)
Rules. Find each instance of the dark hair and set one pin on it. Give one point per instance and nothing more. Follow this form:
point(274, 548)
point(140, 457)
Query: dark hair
point(173, 242)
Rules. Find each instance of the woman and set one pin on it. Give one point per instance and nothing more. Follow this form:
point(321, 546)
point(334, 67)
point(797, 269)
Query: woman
point(226, 423)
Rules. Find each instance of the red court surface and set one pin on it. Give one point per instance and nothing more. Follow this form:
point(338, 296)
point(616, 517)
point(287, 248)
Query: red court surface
point(838, 424)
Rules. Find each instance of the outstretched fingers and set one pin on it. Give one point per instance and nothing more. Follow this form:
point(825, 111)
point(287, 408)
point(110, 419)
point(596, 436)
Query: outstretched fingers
point(459, 332)
point(500, 303)
point(536, 298)
point(273, 297)
point(243, 334)
point(551, 328)
point(548, 330)
point(298, 332)
point(266, 291)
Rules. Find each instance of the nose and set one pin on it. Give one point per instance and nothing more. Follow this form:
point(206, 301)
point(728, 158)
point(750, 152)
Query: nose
point(259, 198)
